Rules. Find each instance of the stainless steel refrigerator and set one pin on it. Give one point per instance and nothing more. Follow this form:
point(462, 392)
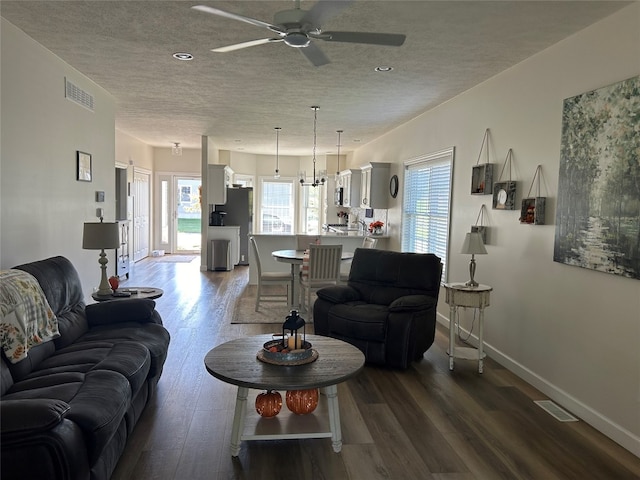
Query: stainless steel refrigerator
point(239, 211)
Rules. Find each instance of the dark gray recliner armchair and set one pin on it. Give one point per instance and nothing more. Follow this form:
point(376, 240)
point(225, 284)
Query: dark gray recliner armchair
point(388, 307)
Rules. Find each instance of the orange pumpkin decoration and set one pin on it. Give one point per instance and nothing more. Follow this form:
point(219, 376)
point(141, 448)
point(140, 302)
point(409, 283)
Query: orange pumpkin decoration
point(268, 404)
point(302, 402)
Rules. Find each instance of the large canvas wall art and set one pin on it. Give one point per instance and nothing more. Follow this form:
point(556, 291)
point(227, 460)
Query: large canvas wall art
point(598, 213)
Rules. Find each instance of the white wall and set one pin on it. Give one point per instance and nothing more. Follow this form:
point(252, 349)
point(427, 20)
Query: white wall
point(43, 206)
point(572, 332)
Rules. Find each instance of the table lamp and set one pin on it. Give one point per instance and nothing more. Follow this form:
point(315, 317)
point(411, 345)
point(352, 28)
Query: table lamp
point(473, 246)
point(101, 236)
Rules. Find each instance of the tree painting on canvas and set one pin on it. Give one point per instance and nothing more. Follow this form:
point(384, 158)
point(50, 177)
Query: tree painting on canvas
point(598, 214)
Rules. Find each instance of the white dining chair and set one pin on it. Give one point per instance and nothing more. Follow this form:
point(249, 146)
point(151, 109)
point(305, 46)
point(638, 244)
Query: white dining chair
point(324, 270)
point(269, 278)
point(367, 242)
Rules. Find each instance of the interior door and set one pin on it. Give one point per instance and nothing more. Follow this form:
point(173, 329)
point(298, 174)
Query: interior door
point(141, 215)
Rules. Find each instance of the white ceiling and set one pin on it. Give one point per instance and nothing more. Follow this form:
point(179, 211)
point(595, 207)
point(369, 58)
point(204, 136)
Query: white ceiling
point(237, 98)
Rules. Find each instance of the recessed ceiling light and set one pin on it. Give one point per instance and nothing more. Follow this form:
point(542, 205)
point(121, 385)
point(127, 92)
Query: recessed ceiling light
point(182, 56)
point(383, 69)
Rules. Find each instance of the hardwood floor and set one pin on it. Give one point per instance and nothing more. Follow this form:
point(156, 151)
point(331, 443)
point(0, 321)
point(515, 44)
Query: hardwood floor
point(422, 423)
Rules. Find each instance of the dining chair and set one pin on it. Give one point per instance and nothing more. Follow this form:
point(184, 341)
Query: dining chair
point(324, 270)
point(367, 242)
point(303, 241)
point(269, 278)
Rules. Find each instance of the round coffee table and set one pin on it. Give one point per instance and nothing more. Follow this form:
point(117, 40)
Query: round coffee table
point(235, 362)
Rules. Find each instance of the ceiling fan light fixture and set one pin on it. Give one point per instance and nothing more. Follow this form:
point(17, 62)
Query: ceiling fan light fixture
point(176, 150)
point(297, 40)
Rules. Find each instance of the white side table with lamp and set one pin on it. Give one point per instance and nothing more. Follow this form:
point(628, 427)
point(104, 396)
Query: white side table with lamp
point(469, 294)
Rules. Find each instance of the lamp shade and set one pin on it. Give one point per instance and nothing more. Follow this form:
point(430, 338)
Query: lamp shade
point(99, 236)
point(473, 244)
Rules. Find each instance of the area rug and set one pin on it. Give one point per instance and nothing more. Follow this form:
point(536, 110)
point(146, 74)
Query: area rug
point(176, 258)
point(269, 312)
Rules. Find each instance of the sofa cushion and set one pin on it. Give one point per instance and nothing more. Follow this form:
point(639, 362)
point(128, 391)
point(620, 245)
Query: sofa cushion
point(61, 285)
point(153, 336)
point(130, 359)
point(364, 321)
point(26, 319)
point(97, 401)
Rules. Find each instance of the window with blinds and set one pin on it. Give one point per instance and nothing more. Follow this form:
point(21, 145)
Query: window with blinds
point(277, 212)
point(426, 205)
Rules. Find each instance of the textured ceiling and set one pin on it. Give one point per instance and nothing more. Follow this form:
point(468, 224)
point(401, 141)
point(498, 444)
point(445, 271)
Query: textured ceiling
point(237, 98)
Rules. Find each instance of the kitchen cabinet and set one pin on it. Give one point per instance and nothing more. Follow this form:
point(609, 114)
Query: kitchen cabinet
point(219, 178)
point(374, 187)
point(350, 181)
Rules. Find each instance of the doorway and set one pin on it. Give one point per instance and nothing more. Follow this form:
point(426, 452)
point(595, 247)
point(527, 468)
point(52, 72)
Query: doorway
point(180, 208)
point(141, 214)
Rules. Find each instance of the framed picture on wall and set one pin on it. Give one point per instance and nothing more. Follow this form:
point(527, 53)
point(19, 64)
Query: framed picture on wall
point(83, 166)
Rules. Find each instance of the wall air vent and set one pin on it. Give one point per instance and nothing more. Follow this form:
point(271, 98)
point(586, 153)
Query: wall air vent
point(555, 411)
point(77, 95)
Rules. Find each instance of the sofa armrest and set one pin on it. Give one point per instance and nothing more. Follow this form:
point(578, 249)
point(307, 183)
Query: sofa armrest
point(26, 417)
point(140, 310)
point(412, 303)
point(338, 294)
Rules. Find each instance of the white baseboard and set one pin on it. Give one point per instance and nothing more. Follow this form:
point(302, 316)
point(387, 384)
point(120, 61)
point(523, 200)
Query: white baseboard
point(615, 432)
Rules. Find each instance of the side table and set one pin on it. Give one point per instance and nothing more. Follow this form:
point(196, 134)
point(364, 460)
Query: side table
point(136, 292)
point(461, 295)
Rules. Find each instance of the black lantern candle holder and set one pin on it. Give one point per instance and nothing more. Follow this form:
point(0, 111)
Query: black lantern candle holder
point(293, 323)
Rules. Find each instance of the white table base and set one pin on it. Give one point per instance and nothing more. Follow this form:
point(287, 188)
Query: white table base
point(324, 422)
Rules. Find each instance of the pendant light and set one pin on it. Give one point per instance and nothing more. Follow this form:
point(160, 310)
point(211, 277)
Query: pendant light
point(277, 173)
point(176, 150)
point(338, 179)
point(315, 181)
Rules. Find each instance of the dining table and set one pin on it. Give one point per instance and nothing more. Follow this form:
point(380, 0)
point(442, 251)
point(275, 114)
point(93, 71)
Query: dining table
point(295, 258)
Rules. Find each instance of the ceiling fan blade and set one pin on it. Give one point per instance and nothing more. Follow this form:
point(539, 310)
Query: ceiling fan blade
point(323, 11)
point(251, 43)
point(389, 39)
point(315, 55)
point(234, 16)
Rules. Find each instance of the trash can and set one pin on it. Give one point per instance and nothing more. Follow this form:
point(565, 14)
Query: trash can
point(219, 255)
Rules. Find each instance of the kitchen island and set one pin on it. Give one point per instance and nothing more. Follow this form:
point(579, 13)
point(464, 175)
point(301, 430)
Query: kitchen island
point(268, 243)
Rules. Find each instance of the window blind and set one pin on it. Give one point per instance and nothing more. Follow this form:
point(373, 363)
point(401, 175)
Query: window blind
point(277, 214)
point(426, 205)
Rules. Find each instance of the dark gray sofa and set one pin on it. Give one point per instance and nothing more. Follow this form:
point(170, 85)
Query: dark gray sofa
point(388, 307)
point(67, 409)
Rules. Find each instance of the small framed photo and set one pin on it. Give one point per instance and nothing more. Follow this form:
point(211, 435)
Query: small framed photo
point(84, 166)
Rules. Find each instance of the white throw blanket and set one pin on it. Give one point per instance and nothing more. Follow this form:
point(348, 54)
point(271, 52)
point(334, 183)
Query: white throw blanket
point(26, 319)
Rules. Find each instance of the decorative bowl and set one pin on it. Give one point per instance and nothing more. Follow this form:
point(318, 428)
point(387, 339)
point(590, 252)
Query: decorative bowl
point(286, 356)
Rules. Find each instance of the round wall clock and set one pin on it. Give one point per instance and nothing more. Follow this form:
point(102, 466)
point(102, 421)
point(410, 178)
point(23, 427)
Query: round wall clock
point(393, 186)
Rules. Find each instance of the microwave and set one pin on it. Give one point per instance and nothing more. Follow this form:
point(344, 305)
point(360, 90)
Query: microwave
point(338, 196)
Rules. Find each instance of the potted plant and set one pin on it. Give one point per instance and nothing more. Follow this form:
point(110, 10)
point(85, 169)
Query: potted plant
point(375, 228)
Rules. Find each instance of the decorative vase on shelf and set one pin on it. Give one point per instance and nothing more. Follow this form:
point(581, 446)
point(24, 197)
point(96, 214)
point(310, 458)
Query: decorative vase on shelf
point(377, 231)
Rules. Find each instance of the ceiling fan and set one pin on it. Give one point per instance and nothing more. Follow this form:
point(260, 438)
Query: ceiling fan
point(299, 28)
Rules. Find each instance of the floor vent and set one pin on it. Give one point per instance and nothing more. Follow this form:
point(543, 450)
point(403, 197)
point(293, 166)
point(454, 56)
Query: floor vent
point(77, 95)
point(555, 411)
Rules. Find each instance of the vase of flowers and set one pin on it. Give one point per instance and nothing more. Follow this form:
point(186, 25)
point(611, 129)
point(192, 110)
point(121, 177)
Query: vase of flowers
point(375, 228)
point(343, 217)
